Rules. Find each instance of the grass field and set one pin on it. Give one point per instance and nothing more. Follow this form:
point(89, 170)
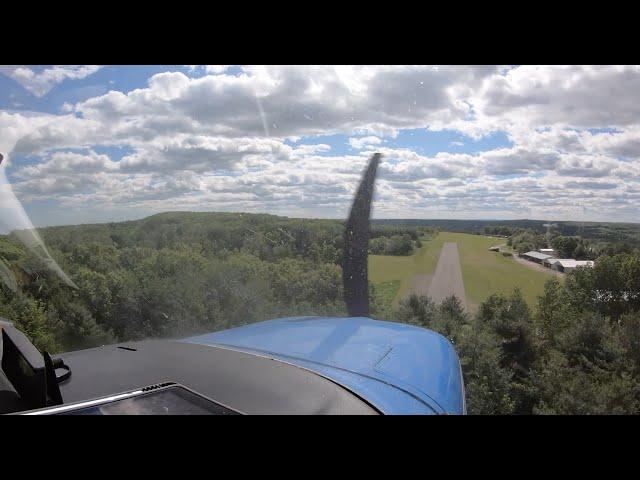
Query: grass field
point(400, 270)
point(483, 272)
point(385, 293)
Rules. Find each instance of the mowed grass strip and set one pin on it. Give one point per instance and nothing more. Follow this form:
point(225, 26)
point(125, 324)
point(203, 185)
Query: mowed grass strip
point(387, 290)
point(387, 268)
point(484, 272)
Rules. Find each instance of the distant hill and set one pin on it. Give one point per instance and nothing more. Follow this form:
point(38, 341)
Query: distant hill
point(463, 226)
point(605, 231)
point(170, 225)
point(167, 230)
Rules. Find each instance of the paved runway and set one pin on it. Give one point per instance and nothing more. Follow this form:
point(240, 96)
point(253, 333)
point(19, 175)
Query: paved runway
point(420, 284)
point(447, 279)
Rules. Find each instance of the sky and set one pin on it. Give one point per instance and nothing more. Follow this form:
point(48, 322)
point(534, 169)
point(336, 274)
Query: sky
point(89, 143)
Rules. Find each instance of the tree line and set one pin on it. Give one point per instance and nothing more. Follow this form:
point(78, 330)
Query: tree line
point(177, 274)
point(567, 246)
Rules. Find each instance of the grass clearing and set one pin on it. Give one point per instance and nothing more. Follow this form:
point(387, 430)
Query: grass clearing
point(484, 272)
point(385, 293)
point(386, 268)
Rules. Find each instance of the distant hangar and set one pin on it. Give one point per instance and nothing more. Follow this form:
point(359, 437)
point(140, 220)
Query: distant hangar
point(565, 265)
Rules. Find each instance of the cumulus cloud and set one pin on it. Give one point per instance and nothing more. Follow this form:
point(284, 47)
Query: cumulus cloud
point(591, 185)
point(294, 100)
point(70, 163)
point(202, 153)
point(509, 161)
point(212, 69)
point(222, 141)
point(586, 166)
point(15, 126)
point(362, 142)
point(405, 165)
point(577, 96)
point(39, 82)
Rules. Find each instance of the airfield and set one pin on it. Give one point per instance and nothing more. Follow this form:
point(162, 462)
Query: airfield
point(455, 264)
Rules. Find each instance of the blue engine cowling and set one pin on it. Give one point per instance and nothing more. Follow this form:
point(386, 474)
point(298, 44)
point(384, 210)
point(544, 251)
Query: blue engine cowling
point(398, 368)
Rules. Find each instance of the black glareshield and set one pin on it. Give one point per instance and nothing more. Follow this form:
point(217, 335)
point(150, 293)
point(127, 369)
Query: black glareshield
point(31, 374)
point(24, 367)
point(355, 277)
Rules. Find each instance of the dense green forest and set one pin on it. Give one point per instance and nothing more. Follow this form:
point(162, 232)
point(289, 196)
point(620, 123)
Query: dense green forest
point(577, 352)
point(567, 246)
point(180, 273)
point(174, 274)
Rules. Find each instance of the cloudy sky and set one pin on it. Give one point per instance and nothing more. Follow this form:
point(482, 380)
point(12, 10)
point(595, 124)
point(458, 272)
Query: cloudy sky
point(92, 144)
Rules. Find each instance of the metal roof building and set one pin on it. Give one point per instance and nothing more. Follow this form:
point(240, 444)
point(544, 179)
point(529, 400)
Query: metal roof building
point(535, 256)
point(569, 264)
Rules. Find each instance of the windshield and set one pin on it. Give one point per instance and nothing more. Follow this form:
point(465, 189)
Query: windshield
point(171, 202)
